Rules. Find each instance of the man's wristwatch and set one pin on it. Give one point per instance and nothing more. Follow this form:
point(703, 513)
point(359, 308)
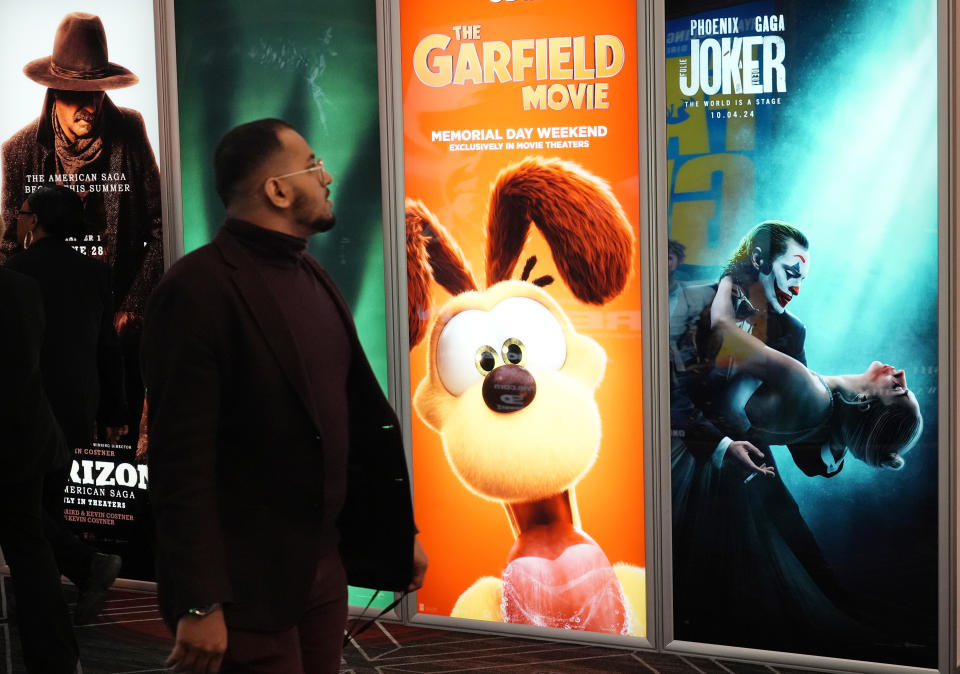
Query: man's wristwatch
point(203, 611)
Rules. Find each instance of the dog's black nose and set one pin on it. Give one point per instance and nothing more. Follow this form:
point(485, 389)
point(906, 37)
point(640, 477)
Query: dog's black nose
point(509, 388)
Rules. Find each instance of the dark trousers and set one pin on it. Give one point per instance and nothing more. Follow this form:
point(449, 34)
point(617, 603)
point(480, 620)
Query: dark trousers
point(312, 646)
point(46, 634)
point(72, 554)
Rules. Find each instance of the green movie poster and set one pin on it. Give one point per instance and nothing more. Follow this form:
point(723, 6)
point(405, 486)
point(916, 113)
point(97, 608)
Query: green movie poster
point(314, 66)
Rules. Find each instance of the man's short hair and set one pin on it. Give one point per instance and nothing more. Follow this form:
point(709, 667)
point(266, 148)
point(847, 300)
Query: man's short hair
point(59, 211)
point(677, 248)
point(771, 237)
point(241, 151)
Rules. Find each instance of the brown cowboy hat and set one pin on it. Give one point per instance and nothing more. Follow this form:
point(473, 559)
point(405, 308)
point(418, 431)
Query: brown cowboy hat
point(79, 60)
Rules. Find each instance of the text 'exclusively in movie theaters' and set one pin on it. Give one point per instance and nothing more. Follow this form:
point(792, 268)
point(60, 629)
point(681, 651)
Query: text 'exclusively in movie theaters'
point(519, 138)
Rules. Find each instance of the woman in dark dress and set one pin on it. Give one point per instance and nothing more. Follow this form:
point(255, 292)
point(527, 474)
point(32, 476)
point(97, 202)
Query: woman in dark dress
point(31, 444)
point(81, 364)
point(748, 570)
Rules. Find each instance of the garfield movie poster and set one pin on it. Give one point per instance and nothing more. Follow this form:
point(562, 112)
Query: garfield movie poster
point(523, 213)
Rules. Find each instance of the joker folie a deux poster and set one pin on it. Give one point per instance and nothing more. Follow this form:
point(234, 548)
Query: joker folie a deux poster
point(802, 176)
point(523, 213)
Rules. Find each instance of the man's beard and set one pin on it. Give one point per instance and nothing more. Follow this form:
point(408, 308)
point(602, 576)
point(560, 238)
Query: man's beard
point(316, 225)
point(85, 116)
point(323, 224)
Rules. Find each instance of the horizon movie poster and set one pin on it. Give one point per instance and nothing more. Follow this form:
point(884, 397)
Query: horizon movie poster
point(241, 61)
point(98, 135)
point(802, 176)
point(523, 212)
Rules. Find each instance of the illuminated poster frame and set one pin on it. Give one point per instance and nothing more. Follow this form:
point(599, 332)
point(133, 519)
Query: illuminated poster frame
point(950, 122)
point(465, 169)
point(320, 72)
point(937, 374)
point(105, 498)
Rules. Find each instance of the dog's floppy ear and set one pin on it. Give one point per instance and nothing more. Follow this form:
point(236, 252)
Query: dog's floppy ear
point(431, 253)
point(583, 223)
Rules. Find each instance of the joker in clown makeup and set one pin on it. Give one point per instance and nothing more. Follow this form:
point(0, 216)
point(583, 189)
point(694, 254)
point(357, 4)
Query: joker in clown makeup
point(782, 276)
point(769, 266)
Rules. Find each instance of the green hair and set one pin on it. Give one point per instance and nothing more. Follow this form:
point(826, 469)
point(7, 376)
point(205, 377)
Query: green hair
point(771, 237)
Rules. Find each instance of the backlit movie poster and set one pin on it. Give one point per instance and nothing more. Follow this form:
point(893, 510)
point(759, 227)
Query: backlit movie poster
point(802, 176)
point(522, 215)
point(105, 150)
point(315, 67)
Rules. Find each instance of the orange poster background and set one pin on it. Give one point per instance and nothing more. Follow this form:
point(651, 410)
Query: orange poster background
point(465, 536)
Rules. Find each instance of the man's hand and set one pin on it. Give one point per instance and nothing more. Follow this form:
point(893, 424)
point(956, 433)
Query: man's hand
point(419, 566)
point(200, 644)
point(744, 452)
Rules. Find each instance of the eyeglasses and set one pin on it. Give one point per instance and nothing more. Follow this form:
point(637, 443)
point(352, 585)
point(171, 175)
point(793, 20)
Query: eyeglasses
point(317, 166)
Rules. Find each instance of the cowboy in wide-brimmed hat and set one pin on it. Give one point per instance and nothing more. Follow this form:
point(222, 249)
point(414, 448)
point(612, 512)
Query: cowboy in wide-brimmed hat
point(79, 61)
point(77, 73)
point(82, 139)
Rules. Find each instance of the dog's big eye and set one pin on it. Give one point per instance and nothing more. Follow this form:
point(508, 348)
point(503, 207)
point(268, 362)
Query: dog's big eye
point(486, 359)
point(531, 332)
point(513, 352)
point(463, 354)
point(528, 333)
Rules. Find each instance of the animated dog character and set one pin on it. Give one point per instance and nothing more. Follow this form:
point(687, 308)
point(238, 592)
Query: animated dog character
point(510, 389)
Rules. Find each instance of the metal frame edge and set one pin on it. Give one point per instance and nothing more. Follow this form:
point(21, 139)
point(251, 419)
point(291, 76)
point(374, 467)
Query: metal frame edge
point(394, 231)
point(171, 194)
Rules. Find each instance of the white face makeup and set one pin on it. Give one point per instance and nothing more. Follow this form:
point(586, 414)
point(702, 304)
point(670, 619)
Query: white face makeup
point(788, 271)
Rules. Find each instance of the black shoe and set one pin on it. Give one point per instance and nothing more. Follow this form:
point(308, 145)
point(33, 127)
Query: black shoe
point(93, 592)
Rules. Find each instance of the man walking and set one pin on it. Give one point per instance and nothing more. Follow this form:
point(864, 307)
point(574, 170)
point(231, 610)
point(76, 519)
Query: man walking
point(277, 467)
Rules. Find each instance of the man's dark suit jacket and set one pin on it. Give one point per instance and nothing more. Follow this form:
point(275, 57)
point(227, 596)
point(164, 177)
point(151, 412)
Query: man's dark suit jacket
point(81, 360)
point(235, 450)
point(31, 443)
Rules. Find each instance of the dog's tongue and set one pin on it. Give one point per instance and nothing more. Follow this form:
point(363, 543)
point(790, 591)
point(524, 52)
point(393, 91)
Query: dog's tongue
point(576, 589)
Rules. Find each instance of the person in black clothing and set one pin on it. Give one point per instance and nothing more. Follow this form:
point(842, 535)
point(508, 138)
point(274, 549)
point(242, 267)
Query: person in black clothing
point(81, 365)
point(277, 465)
point(31, 444)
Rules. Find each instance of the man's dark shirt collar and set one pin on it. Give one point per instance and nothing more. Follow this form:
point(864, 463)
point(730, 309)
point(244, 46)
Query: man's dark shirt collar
point(272, 247)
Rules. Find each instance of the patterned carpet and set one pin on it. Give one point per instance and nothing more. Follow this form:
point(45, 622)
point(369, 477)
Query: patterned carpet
point(130, 638)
